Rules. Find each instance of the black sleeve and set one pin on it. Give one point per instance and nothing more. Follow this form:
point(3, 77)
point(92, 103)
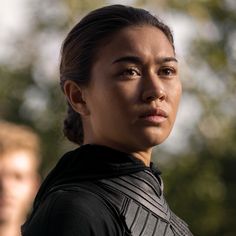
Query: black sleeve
point(69, 213)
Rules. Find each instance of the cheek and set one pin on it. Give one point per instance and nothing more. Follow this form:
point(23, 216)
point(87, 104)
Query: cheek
point(27, 189)
point(178, 94)
point(117, 97)
point(174, 97)
point(128, 92)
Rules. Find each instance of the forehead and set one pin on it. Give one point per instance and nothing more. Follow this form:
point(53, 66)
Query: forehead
point(141, 40)
point(19, 161)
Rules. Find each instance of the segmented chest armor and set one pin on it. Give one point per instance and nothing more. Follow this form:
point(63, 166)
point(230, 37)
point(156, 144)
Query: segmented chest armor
point(140, 201)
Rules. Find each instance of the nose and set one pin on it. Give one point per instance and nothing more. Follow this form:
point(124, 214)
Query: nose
point(153, 89)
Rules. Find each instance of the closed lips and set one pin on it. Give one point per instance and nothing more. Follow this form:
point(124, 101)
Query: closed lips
point(154, 112)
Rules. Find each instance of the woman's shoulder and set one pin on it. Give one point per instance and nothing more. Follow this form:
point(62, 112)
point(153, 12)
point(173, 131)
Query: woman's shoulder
point(73, 211)
point(76, 201)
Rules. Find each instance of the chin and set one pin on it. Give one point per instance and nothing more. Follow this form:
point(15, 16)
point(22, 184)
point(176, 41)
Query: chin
point(154, 143)
point(146, 144)
point(154, 138)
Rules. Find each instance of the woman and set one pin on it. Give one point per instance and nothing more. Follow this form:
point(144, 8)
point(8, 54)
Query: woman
point(119, 74)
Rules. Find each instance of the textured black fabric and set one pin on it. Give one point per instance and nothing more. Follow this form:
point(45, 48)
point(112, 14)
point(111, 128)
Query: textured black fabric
point(89, 162)
point(95, 190)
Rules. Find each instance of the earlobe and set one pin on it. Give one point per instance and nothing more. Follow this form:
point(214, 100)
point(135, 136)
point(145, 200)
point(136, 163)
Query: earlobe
point(74, 95)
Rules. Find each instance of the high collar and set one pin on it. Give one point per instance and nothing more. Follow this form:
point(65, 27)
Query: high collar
point(91, 162)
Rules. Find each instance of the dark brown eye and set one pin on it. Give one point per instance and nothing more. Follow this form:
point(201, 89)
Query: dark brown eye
point(131, 73)
point(167, 71)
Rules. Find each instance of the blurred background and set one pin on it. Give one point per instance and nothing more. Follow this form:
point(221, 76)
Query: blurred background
point(198, 161)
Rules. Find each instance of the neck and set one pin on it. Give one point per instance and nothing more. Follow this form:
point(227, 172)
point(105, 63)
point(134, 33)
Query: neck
point(145, 157)
point(10, 229)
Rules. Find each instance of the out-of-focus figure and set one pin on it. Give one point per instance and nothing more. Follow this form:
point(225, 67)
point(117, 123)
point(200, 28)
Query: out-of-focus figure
point(19, 179)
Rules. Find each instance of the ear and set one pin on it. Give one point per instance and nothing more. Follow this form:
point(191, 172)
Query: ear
point(75, 97)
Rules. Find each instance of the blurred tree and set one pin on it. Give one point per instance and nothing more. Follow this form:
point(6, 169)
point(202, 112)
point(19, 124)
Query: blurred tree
point(200, 178)
point(29, 84)
point(202, 182)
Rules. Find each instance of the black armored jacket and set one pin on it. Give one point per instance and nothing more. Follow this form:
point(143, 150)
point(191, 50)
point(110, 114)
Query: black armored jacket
point(98, 191)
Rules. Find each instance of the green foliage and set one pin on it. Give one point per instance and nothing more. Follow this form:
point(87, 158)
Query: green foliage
point(200, 181)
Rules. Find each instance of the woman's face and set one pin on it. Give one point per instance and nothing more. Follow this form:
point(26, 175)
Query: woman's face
point(134, 91)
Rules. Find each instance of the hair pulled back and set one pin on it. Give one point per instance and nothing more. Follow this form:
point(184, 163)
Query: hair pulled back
point(80, 46)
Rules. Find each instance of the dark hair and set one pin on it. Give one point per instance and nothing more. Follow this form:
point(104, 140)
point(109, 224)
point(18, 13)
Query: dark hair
point(79, 49)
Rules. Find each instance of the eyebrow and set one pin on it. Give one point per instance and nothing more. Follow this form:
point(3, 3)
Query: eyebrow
point(137, 60)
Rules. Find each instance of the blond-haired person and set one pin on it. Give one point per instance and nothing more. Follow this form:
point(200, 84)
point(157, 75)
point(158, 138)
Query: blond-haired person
point(19, 179)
